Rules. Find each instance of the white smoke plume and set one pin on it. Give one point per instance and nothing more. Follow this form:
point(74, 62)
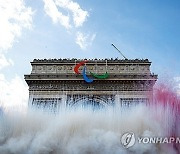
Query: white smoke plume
point(80, 132)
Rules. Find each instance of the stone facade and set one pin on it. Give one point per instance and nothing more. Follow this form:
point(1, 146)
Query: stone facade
point(54, 82)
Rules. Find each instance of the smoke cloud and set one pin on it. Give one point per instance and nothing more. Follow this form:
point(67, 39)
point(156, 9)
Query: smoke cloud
point(79, 131)
point(86, 131)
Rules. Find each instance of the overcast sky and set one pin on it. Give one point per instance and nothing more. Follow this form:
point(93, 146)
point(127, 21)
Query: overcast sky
point(85, 29)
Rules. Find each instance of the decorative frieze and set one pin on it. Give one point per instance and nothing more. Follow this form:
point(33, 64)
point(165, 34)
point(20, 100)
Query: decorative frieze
point(141, 86)
point(114, 69)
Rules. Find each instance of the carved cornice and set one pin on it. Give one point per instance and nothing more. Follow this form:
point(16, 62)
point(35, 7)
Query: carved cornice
point(73, 77)
point(73, 60)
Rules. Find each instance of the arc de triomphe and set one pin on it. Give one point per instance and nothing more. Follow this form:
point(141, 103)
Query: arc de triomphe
point(54, 83)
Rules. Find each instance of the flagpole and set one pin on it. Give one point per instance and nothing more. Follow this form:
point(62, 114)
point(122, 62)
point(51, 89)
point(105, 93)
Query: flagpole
point(118, 51)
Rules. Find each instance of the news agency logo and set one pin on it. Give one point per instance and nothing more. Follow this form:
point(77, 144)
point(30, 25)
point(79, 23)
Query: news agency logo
point(128, 139)
point(85, 77)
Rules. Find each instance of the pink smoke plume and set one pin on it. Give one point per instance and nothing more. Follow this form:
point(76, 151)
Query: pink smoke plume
point(166, 106)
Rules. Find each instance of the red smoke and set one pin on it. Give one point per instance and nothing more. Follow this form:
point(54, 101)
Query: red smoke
point(164, 96)
point(167, 97)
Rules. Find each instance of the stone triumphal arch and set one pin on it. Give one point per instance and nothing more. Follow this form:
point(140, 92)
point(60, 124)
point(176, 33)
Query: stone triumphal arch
point(54, 82)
